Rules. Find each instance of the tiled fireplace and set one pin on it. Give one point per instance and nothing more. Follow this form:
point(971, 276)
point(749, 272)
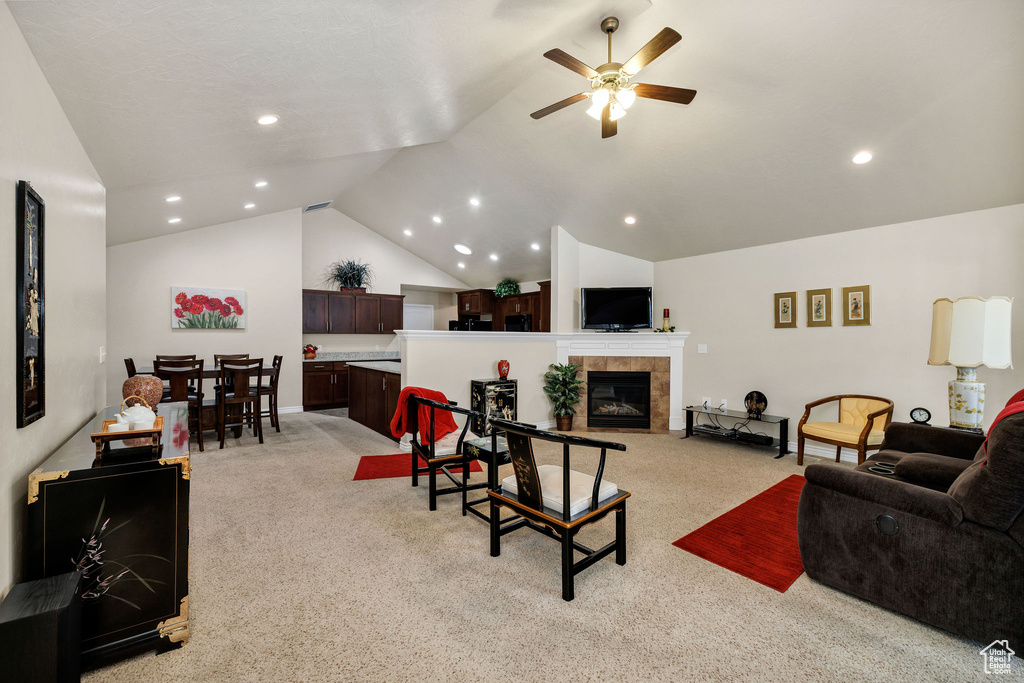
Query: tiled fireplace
point(661, 355)
point(606, 398)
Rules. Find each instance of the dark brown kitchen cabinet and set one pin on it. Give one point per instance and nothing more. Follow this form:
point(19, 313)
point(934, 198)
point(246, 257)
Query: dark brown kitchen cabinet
point(476, 302)
point(314, 312)
point(378, 313)
point(324, 385)
point(325, 312)
point(373, 398)
point(544, 307)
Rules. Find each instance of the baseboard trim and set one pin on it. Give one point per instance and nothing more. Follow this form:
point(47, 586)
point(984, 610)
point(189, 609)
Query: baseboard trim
point(290, 409)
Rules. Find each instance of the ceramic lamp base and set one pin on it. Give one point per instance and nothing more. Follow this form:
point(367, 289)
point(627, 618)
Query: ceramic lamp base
point(966, 400)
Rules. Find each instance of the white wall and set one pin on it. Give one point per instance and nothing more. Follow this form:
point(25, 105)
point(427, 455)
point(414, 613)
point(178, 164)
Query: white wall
point(262, 255)
point(603, 268)
point(446, 304)
point(37, 144)
point(575, 265)
point(329, 235)
point(448, 362)
point(565, 281)
point(725, 300)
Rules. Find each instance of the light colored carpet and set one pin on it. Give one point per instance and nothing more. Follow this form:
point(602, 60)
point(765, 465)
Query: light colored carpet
point(299, 573)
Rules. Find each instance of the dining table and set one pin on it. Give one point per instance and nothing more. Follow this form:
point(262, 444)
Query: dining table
point(212, 371)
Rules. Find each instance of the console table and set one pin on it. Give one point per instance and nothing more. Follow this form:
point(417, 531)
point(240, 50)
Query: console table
point(122, 520)
point(783, 423)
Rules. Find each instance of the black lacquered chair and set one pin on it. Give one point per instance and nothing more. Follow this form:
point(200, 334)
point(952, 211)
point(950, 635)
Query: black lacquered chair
point(555, 505)
point(428, 452)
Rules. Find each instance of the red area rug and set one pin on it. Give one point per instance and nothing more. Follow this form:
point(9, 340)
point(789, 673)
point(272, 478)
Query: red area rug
point(398, 465)
point(756, 539)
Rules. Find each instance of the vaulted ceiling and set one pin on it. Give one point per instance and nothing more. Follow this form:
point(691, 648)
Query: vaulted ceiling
point(401, 110)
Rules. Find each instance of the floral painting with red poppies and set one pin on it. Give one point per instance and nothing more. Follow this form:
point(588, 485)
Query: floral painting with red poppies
point(210, 309)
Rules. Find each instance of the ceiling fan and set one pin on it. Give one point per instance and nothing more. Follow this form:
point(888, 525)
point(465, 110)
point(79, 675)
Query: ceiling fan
point(612, 93)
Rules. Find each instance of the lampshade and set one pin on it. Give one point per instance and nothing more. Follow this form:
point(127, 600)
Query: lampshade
point(971, 331)
point(626, 97)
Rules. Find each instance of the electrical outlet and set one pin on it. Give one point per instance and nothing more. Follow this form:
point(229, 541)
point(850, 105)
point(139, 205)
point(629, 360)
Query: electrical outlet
point(724, 405)
point(376, 347)
point(706, 402)
point(702, 348)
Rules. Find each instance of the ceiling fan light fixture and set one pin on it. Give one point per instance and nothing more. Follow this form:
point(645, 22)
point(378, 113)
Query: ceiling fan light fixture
point(617, 112)
point(595, 112)
point(626, 97)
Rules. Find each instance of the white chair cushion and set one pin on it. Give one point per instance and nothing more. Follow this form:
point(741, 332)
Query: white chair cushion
point(581, 487)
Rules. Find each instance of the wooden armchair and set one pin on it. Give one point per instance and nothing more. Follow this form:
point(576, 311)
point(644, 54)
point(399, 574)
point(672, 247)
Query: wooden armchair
point(428, 451)
point(861, 425)
point(555, 505)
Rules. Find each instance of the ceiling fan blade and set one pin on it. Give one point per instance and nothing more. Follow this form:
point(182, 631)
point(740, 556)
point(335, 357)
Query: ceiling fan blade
point(665, 92)
point(649, 52)
point(552, 108)
point(570, 62)
point(608, 127)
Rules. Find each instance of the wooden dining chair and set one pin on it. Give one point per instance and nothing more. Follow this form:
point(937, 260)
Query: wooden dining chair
point(218, 357)
point(558, 501)
point(184, 376)
point(129, 365)
point(162, 356)
point(237, 390)
point(270, 391)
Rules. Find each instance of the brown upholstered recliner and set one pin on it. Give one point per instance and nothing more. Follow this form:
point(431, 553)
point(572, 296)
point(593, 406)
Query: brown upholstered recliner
point(862, 422)
point(949, 556)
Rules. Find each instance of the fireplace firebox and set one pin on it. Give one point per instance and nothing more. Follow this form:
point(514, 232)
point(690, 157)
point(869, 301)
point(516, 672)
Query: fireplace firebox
point(619, 400)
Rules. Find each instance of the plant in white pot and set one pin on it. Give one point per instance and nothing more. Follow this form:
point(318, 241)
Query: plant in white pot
point(563, 390)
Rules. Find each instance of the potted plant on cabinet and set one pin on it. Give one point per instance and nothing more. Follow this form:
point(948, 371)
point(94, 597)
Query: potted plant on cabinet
point(563, 389)
point(507, 287)
point(349, 276)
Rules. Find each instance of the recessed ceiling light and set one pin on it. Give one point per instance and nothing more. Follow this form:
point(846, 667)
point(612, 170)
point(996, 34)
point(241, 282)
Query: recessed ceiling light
point(267, 120)
point(463, 249)
point(494, 257)
point(535, 246)
point(174, 198)
point(461, 264)
point(408, 233)
point(474, 201)
point(437, 219)
point(250, 206)
point(630, 220)
point(173, 220)
point(260, 183)
point(862, 157)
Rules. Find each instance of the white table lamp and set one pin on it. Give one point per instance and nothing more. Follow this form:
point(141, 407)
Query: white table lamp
point(969, 332)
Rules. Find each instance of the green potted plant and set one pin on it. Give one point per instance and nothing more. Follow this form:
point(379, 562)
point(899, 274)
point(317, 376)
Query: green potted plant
point(507, 287)
point(563, 389)
point(349, 276)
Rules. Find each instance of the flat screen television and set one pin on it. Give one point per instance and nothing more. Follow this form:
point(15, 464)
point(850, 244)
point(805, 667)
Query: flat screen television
point(616, 308)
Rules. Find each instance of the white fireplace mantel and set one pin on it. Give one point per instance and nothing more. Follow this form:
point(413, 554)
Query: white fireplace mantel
point(634, 345)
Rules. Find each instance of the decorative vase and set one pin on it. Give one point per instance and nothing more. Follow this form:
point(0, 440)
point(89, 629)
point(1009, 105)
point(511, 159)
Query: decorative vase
point(503, 369)
point(147, 386)
point(563, 423)
point(309, 355)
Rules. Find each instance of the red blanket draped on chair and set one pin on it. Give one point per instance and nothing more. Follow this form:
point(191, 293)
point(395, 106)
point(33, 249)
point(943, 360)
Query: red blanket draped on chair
point(444, 422)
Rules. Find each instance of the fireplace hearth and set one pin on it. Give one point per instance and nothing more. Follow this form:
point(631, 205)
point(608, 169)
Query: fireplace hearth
point(619, 400)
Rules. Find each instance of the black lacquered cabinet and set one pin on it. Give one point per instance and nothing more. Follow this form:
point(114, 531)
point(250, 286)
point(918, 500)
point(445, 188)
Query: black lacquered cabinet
point(123, 521)
point(493, 398)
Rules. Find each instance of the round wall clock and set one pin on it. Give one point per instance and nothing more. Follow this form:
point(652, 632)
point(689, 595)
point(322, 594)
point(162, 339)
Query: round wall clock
point(920, 416)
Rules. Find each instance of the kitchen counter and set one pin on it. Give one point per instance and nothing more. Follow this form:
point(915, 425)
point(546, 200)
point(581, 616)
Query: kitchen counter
point(354, 355)
point(394, 367)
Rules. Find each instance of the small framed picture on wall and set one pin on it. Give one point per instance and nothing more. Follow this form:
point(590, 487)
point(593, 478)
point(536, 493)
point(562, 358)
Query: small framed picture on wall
point(857, 305)
point(819, 307)
point(785, 309)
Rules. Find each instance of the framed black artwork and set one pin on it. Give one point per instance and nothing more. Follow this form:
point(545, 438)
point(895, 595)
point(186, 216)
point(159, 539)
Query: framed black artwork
point(31, 378)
